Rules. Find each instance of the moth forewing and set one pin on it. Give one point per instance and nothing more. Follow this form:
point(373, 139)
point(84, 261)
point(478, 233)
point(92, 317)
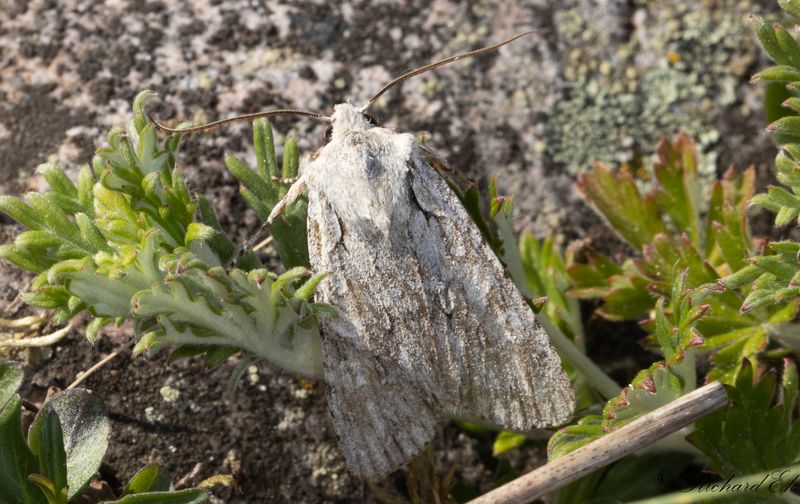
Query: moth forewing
point(429, 322)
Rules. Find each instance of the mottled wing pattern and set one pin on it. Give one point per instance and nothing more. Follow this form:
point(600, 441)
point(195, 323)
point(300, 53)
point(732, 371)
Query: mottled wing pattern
point(494, 355)
point(428, 321)
point(378, 366)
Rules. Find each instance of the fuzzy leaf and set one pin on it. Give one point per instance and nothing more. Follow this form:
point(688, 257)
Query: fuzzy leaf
point(198, 231)
point(84, 421)
point(265, 148)
point(769, 40)
point(781, 73)
point(11, 376)
point(259, 186)
point(790, 6)
point(291, 158)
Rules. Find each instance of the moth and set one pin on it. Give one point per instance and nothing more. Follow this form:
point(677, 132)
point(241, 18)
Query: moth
point(429, 323)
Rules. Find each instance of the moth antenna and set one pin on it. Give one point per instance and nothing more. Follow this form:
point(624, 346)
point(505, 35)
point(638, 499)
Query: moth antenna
point(255, 115)
point(437, 64)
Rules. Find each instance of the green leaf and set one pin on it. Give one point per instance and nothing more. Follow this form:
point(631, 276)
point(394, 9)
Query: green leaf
point(220, 243)
point(260, 187)
point(769, 40)
point(787, 44)
point(306, 291)
point(49, 489)
point(21, 212)
point(572, 437)
point(780, 73)
point(36, 239)
point(58, 180)
point(615, 196)
point(16, 459)
point(26, 258)
point(291, 158)
point(86, 428)
point(46, 440)
point(751, 435)
point(676, 173)
point(546, 275)
point(198, 231)
point(507, 441)
point(150, 478)
point(790, 6)
point(265, 148)
point(290, 235)
point(735, 346)
point(789, 126)
point(85, 194)
point(11, 376)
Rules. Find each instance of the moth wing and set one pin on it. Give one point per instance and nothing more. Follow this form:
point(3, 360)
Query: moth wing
point(384, 410)
point(495, 358)
point(428, 323)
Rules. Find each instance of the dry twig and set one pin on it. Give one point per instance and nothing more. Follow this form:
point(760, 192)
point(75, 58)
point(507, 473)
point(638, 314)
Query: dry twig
point(629, 438)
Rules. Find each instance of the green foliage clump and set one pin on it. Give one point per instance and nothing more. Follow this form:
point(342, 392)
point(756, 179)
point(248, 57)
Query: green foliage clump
point(131, 240)
point(265, 186)
point(665, 227)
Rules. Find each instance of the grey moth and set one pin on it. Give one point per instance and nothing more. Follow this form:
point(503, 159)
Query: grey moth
point(429, 325)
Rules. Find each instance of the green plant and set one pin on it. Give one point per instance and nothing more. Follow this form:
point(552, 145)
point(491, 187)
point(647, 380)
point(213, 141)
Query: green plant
point(664, 226)
point(130, 239)
point(63, 449)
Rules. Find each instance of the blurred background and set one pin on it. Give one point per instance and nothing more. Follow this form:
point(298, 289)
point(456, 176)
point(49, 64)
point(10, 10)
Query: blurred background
point(601, 80)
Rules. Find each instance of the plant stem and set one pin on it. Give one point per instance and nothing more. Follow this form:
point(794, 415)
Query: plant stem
point(40, 341)
point(595, 376)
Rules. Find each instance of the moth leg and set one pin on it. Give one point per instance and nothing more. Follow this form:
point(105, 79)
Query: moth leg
point(294, 192)
point(285, 181)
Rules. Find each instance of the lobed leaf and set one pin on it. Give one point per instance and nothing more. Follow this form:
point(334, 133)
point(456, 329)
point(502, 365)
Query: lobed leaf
point(751, 435)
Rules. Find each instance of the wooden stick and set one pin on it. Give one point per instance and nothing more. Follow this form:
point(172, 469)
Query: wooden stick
point(629, 438)
point(89, 372)
point(263, 244)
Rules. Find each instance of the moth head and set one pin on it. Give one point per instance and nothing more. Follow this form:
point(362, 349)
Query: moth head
point(347, 117)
